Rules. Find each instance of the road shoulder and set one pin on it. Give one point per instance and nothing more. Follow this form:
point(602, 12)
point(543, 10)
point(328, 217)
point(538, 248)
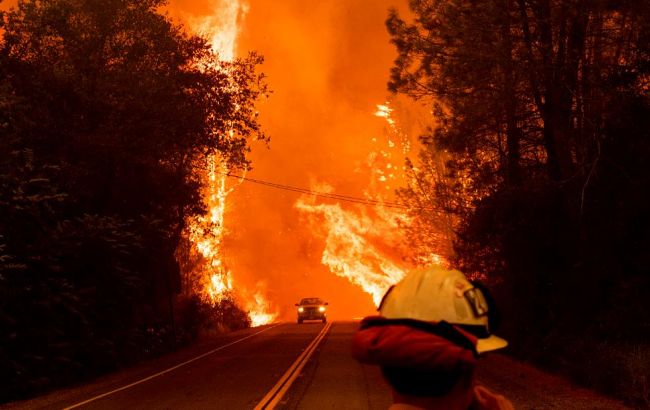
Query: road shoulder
point(531, 388)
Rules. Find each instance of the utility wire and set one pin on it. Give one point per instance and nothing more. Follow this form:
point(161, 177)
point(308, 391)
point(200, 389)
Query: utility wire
point(328, 195)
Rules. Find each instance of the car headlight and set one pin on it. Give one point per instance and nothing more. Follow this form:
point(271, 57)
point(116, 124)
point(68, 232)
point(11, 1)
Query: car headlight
point(300, 309)
point(321, 309)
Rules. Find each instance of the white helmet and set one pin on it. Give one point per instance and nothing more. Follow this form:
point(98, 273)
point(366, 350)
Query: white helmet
point(435, 294)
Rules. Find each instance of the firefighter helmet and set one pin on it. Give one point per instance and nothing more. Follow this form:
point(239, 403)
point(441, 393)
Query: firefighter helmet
point(436, 294)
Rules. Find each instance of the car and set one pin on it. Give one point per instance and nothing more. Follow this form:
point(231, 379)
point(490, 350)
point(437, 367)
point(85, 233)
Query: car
point(312, 309)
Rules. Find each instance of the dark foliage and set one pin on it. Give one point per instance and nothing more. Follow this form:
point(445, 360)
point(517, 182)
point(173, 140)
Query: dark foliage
point(201, 317)
point(105, 107)
point(543, 107)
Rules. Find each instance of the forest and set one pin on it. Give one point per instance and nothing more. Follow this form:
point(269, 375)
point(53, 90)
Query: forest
point(106, 108)
point(533, 178)
point(536, 169)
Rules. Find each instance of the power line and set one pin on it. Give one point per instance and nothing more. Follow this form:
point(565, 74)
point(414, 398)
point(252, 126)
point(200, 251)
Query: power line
point(339, 197)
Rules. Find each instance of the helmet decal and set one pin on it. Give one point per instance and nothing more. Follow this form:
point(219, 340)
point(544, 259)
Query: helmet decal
point(477, 302)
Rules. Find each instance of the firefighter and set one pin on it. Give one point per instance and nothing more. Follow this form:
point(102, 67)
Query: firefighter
point(432, 327)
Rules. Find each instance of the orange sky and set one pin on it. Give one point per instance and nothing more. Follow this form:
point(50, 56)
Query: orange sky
point(327, 63)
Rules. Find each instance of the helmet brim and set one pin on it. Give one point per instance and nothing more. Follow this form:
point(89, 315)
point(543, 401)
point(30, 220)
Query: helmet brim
point(490, 343)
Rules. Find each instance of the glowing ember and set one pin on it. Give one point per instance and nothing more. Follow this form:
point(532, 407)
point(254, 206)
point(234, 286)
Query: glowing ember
point(207, 233)
point(394, 133)
point(384, 112)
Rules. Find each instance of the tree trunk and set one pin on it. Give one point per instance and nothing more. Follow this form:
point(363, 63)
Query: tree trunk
point(513, 134)
point(557, 99)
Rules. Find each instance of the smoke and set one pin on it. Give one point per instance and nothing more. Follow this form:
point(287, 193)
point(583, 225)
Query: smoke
point(327, 63)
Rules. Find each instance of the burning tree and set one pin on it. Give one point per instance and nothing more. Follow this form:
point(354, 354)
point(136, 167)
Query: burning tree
point(205, 269)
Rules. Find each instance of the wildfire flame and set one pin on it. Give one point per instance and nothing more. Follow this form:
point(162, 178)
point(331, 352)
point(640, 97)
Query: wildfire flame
point(207, 232)
point(258, 310)
point(363, 244)
point(222, 28)
point(349, 248)
point(367, 246)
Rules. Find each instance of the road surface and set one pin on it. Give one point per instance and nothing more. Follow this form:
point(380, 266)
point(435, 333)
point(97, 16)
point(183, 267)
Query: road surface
point(290, 366)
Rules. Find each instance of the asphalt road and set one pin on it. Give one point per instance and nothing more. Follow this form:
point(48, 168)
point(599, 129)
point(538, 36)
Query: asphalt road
point(237, 374)
point(292, 366)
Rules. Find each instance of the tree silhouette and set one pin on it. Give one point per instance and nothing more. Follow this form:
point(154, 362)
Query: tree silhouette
point(542, 110)
point(106, 107)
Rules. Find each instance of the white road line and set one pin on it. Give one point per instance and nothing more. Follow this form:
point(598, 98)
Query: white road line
point(274, 395)
point(101, 396)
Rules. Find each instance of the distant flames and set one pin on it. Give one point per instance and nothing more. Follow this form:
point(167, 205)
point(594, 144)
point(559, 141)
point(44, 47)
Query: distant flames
point(258, 310)
point(222, 28)
point(214, 281)
point(366, 244)
point(351, 250)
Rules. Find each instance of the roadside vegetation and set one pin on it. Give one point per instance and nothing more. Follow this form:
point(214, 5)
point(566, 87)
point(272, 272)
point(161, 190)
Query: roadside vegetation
point(537, 170)
point(106, 106)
